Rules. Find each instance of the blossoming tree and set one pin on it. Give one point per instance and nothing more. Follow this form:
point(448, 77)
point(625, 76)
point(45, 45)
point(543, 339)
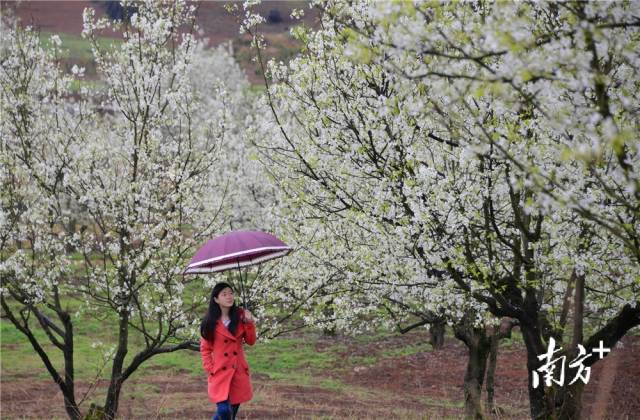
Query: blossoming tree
point(145, 162)
point(431, 149)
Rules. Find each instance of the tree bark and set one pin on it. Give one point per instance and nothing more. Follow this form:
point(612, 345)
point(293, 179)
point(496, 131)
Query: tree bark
point(69, 369)
point(113, 398)
point(473, 379)
point(436, 334)
point(538, 404)
point(328, 313)
point(113, 393)
point(570, 401)
point(491, 372)
point(578, 313)
point(565, 403)
point(478, 346)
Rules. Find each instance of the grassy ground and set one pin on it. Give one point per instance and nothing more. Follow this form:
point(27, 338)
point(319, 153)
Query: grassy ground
point(294, 377)
point(301, 376)
point(294, 359)
point(76, 50)
point(290, 374)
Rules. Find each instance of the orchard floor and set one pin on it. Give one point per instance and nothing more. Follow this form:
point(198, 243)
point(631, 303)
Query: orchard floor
point(422, 385)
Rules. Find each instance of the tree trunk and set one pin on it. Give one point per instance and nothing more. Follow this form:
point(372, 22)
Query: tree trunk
point(570, 404)
point(113, 393)
point(436, 335)
point(473, 379)
point(70, 406)
point(328, 313)
point(496, 334)
point(69, 369)
point(538, 404)
point(478, 346)
point(491, 372)
point(113, 398)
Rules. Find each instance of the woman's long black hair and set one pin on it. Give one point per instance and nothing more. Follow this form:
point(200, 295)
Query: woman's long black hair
point(208, 325)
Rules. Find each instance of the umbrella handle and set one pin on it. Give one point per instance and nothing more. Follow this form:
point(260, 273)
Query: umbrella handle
point(243, 293)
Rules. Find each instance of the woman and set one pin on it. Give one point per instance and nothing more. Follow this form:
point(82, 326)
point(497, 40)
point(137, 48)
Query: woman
point(223, 330)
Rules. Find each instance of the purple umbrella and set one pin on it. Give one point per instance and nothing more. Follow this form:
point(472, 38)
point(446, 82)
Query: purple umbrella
point(235, 250)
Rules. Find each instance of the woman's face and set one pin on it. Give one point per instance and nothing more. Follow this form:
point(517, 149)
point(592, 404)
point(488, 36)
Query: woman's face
point(225, 298)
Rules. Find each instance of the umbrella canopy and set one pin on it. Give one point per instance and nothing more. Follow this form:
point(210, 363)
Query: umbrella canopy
point(235, 250)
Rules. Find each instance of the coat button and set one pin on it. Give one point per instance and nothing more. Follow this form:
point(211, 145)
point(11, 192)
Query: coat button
point(235, 353)
point(226, 341)
point(224, 368)
point(226, 354)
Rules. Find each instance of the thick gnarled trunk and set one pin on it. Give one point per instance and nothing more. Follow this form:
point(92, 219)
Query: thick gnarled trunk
point(495, 335)
point(569, 405)
point(538, 404)
point(474, 378)
point(478, 344)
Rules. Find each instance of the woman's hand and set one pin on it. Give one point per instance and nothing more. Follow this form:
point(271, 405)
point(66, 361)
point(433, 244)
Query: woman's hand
point(248, 316)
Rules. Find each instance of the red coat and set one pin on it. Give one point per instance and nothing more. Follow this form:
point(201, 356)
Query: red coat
point(225, 362)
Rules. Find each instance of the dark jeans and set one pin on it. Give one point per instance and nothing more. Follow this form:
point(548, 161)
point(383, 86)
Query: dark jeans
point(226, 411)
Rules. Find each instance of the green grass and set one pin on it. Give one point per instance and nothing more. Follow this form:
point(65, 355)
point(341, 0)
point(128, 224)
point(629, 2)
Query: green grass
point(290, 359)
point(76, 48)
point(280, 46)
point(92, 85)
point(256, 90)
point(332, 384)
point(514, 340)
point(371, 337)
point(179, 361)
point(305, 359)
point(293, 360)
point(441, 402)
point(19, 357)
point(407, 350)
point(363, 360)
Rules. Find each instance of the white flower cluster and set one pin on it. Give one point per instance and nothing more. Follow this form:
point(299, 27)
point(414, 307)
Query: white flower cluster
point(430, 159)
point(106, 195)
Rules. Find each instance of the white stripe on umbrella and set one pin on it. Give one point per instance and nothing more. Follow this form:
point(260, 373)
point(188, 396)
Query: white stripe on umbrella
point(235, 264)
point(237, 254)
